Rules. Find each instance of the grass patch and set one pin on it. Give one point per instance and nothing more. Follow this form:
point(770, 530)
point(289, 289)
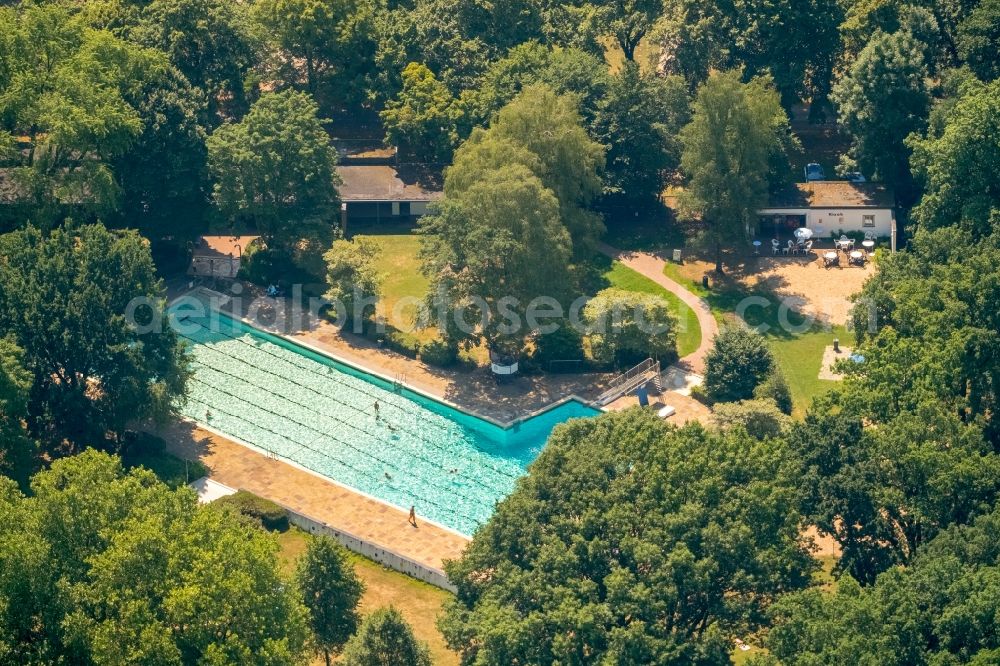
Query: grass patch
point(419, 602)
point(799, 354)
point(689, 331)
point(400, 267)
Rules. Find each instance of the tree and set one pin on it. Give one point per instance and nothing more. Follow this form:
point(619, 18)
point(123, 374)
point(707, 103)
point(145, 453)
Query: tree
point(629, 542)
point(351, 273)
point(775, 388)
point(640, 120)
point(937, 611)
point(324, 35)
point(760, 417)
point(424, 120)
point(386, 639)
point(958, 162)
point(978, 37)
point(734, 131)
point(568, 71)
point(86, 307)
point(16, 448)
point(100, 566)
point(276, 170)
point(738, 362)
point(698, 36)
point(627, 327)
point(331, 591)
point(62, 93)
point(882, 492)
point(627, 21)
point(880, 101)
point(210, 42)
point(163, 174)
point(490, 250)
point(549, 125)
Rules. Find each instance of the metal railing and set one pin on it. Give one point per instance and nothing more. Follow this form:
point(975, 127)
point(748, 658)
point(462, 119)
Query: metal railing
point(629, 381)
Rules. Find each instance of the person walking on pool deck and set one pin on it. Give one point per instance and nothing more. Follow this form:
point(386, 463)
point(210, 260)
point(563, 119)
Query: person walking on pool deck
point(376, 410)
point(413, 516)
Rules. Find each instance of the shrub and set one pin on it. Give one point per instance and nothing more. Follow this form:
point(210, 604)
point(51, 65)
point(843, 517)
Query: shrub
point(738, 361)
point(406, 344)
point(270, 515)
point(563, 344)
point(351, 271)
point(439, 353)
point(761, 418)
point(775, 388)
point(385, 639)
point(630, 326)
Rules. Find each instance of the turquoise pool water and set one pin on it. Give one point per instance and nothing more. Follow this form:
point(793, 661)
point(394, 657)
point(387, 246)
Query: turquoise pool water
point(304, 407)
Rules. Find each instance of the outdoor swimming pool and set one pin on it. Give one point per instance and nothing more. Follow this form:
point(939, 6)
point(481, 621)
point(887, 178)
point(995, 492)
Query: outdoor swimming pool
point(304, 407)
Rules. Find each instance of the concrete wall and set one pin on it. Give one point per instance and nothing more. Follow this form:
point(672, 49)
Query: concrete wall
point(372, 551)
point(824, 221)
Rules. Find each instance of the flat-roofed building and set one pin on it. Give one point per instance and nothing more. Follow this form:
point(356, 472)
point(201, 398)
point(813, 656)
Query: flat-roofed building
point(832, 207)
point(386, 193)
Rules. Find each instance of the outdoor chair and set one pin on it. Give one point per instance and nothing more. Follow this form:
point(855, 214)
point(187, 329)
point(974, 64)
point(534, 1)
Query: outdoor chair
point(775, 246)
point(808, 246)
point(788, 248)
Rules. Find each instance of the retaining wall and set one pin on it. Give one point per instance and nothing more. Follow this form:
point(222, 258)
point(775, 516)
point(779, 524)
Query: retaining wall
point(372, 551)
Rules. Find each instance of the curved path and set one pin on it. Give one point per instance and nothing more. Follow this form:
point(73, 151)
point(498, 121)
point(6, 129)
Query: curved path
point(651, 266)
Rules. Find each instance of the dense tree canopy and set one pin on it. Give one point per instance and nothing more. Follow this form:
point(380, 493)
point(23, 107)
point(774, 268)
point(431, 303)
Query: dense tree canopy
point(210, 41)
point(880, 101)
point(940, 610)
point(630, 542)
point(424, 120)
point(639, 120)
point(103, 567)
point(67, 301)
point(958, 162)
point(795, 42)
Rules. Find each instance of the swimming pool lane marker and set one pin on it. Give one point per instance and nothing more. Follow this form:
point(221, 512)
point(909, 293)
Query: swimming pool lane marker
point(449, 431)
point(472, 500)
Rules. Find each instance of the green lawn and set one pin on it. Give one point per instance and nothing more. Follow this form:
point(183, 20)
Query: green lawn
point(799, 354)
point(400, 267)
point(419, 602)
point(689, 332)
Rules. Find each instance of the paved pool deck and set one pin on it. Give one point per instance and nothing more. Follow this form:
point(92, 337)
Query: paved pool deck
point(344, 509)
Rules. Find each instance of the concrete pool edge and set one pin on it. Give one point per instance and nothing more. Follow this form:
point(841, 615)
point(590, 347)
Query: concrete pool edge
point(319, 475)
point(358, 367)
point(415, 554)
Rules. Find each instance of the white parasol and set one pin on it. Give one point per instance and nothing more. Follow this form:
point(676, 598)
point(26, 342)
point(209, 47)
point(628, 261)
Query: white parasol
point(803, 233)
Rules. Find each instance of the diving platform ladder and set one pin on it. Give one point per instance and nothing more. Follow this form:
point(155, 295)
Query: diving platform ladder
point(648, 370)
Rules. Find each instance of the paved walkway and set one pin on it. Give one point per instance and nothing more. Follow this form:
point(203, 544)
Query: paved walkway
point(239, 467)
point(651, 266)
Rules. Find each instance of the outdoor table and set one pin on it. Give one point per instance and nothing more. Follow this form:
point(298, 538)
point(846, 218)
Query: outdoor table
point(857, 257)
point(756, 247)
point(830, 257)
point(868, 244)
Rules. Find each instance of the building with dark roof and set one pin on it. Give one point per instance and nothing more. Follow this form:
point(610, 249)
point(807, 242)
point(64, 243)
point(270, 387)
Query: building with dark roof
point(832, 207)
point(387, 193)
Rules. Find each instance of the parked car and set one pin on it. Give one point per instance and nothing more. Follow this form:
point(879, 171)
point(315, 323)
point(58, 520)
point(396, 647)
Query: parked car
point(814, 171)
point(855, 177)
